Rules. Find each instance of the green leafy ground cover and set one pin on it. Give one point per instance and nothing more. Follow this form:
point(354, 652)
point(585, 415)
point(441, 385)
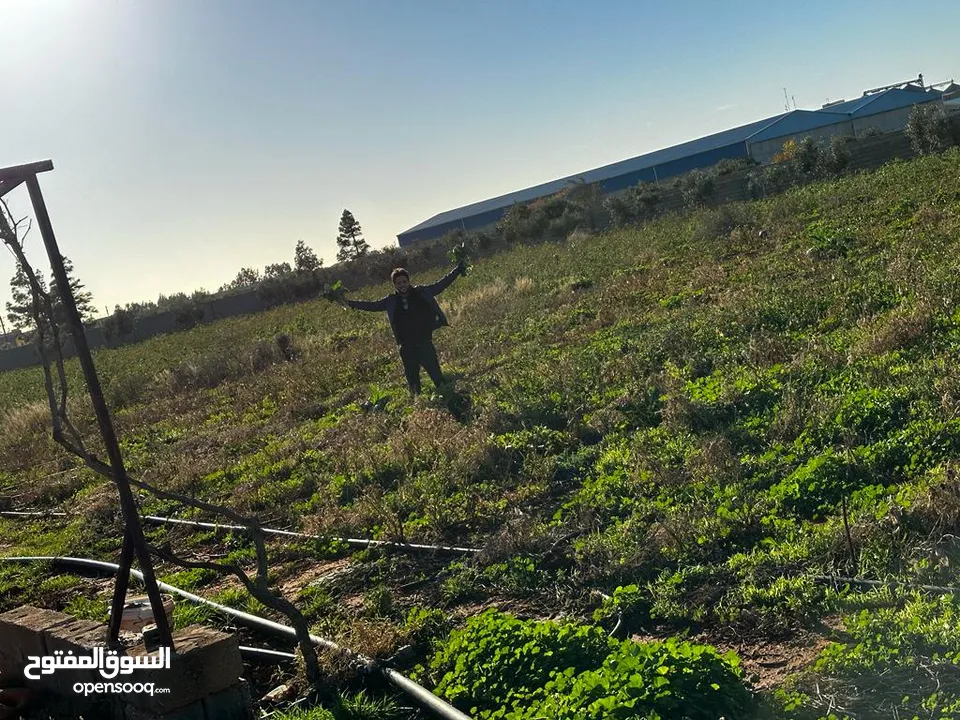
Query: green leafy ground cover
point(678, 415)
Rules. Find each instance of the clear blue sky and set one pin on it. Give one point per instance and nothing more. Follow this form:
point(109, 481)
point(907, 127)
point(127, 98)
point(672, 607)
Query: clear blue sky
point(194, 137)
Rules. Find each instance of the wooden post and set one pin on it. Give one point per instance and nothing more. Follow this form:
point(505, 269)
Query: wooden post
point(134, 540)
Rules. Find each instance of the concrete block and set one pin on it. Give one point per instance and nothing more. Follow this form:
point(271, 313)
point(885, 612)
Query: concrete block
point(230, 704)
point(78, 637)
point(21, 636)
point(204, 678)
point(193, 711)
point(205, 662)
point(38, 619)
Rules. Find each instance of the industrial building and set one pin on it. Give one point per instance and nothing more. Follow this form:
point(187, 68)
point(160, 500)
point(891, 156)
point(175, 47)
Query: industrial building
point(883, 109)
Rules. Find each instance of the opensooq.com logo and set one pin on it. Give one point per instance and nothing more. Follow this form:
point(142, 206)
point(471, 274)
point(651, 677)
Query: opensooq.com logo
point(107, 662)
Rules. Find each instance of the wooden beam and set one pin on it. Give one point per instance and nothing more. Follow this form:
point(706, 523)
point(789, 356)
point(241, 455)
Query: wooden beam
point(22, 172)
point(8, 185)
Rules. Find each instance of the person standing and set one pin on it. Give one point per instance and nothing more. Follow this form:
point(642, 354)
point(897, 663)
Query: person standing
point(414, 314)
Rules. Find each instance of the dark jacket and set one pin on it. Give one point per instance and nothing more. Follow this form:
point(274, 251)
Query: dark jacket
point(427, 292)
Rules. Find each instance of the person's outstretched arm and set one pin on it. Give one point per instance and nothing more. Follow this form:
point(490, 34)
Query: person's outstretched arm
point(443, 283)
point(380, 304)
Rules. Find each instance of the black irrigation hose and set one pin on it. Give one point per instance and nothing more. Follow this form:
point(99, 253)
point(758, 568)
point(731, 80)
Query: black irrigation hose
point(420, 694)
point(357, 542)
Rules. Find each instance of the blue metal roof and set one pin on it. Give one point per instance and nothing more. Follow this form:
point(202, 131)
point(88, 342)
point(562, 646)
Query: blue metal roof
point(891, 99)
point(679, 158)
point(650, 160)
point(896, 99)
point(798, 121)
point(849, 106)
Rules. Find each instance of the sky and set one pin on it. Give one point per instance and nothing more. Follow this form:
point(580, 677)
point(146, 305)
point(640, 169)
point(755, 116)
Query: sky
point(191, 138)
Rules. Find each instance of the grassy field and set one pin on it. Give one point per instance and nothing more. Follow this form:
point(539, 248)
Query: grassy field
point(680, 416)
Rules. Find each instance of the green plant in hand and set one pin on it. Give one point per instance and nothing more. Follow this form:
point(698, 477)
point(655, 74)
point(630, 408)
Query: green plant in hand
point(458, 254)
point(334, 292)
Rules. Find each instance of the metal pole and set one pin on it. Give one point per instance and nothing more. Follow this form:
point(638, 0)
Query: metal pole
point(128, 505)
point(120, 588)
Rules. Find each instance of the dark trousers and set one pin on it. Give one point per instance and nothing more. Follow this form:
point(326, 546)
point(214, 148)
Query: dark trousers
point(415, 356)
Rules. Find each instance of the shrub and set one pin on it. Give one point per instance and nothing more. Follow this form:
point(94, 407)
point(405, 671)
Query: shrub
point(502, 668)
point(727, 166)
point(120, 325)
point(836, 157)
point(187, 314)
point(126, 390)
point(522, 222)
point(928, 128)
point(808, 156)
point(799, 163)
point(697, 188)
point(587, 205)
point(638, 204)
point(672, 679)
point(497, 659)
point(290, 287)
point(773, 179)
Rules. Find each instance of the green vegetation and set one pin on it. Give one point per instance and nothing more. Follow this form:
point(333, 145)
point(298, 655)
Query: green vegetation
point(699, 419)
point(501, 667)
point(928, 128)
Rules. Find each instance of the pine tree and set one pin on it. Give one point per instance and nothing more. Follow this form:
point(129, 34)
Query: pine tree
point(350, 239)
point(20, 306)
point(82, 297)
point(304, 258)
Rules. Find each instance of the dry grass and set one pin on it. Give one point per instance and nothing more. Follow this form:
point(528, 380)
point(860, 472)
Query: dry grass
point(29, 419)
point(522, 285)
point(373, 638)
point(938, 508)
point(432, 437)
point(901, 328)
point(25, 438)
point(486, 302)
point(99, 504)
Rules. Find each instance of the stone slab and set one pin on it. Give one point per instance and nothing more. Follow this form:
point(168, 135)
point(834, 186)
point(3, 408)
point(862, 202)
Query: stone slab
point(230, 704)
point(205, 662)
point(21, 637)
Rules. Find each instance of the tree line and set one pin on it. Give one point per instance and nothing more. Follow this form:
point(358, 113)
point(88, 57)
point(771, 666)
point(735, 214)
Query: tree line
point(579, 206)
point(19, 309)
point(350, 243)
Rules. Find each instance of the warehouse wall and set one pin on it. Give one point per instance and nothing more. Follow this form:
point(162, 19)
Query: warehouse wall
point(764, 150)
point(890, 121)
point(610, 185)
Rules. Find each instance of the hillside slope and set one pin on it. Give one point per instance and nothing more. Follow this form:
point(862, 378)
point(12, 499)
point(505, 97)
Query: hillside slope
point(710, 419)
